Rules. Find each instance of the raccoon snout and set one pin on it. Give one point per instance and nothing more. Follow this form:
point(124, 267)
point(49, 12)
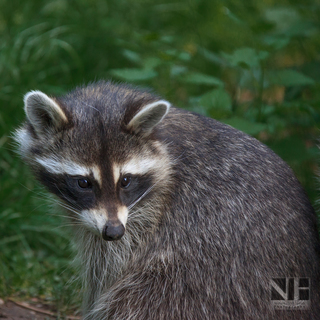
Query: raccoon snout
point(113, 232)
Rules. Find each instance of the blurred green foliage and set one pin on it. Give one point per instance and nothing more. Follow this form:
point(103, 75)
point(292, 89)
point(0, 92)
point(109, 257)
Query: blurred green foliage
point(253, 64)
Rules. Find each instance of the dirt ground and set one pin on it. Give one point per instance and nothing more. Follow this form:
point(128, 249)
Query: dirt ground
point(10, 310)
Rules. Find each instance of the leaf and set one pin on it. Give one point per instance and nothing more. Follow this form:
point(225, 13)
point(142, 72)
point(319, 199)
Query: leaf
point(184, 56)
point(132, 55)
point(216, 99)
point(134, 74)
point(282, 17)
point(151, 63)
point(177, 70)
point(211, 56)
point(246, 57)
point(276, 41)
point(289, 77)
point(201, 78)
point(245, 125)
point(292, 149)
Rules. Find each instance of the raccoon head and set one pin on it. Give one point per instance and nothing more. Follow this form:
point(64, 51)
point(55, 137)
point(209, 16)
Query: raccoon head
point(97, 149)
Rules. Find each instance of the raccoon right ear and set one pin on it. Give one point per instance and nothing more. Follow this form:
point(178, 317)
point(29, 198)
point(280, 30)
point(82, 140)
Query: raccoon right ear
point(43, 112)
point(148, 117)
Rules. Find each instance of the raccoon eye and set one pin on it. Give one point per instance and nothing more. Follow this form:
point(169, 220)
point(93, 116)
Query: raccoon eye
point(84, 183)
point(125, 182)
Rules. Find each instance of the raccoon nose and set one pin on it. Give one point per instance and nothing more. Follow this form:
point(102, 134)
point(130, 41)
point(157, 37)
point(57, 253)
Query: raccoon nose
point(113, 232)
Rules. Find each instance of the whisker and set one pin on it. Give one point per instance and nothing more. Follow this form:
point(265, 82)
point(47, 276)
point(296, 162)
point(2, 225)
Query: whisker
point(141, 197)
point(68, 217)
point(70, 209)
point(64, 195)
point(68, 225)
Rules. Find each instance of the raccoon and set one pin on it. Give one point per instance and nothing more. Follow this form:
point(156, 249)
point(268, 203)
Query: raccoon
point(176, 216)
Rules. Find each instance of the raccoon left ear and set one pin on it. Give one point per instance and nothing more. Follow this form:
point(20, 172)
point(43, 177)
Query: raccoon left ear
point(147, 118)
point(43, 112)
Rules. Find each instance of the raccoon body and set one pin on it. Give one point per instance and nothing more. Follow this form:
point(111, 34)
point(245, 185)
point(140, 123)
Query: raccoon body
point(176, 216)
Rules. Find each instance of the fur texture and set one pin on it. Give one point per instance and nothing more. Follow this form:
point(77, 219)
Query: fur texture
point(212, 217)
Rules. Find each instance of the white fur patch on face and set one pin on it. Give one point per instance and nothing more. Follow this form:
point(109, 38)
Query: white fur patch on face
point(97, 174)
point(116, 173)
point(71, 168)
point(96, 219)
point(22, 137)
point(60, 167)
point(140, 166)
point(123, 215)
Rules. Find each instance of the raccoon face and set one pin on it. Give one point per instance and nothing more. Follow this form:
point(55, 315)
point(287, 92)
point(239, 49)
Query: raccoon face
point(101, 157)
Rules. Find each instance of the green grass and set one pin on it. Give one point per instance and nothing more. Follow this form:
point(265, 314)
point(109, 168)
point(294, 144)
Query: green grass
point(253, 65)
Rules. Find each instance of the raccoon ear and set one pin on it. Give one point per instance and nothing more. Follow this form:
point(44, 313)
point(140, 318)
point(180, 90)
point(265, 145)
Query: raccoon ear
point(147, 118)
point(43, 112)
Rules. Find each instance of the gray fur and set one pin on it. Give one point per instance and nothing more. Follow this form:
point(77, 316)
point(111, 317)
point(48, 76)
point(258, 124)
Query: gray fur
point(222, 217)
